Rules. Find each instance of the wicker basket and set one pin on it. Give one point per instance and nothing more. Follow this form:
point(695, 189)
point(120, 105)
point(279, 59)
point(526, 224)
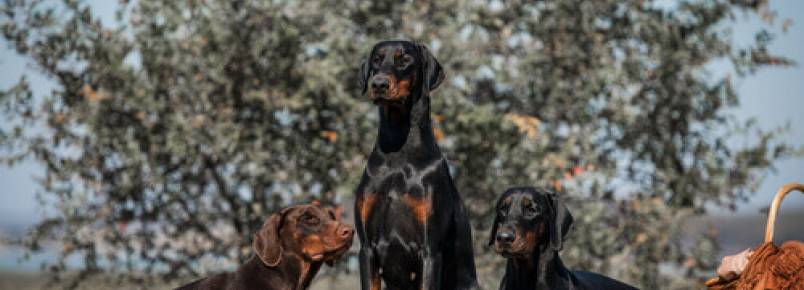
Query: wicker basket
point(770, 266)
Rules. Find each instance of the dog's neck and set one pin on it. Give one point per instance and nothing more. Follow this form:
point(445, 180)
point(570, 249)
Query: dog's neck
point(293, 272)
point(544, 264)
point(406, 127)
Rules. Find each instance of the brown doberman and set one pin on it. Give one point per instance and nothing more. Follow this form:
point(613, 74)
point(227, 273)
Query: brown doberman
point(413, 229)
point(289, 250)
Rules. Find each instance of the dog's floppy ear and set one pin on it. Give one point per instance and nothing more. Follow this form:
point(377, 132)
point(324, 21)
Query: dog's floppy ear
point(364, 73)
point(433, 73)
point(497, 220)
point(561, 223)
point(267, 245)
point(494, 228)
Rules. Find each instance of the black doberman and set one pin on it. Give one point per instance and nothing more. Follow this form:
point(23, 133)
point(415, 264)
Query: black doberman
point(529, 230)
point(413, 229)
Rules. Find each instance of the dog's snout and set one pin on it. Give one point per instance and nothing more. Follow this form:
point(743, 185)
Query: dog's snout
point(505, 236)
point(380, 83)
point(345, 231)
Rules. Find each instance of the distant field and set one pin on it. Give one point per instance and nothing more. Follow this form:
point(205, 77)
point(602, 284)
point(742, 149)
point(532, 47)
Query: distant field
point(737, 233)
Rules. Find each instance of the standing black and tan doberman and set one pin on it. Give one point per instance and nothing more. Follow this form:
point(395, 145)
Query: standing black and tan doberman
point(413, 229)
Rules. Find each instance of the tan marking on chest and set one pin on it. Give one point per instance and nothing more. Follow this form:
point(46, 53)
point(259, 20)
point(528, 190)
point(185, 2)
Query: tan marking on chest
point(419, 206)
point(365, 204)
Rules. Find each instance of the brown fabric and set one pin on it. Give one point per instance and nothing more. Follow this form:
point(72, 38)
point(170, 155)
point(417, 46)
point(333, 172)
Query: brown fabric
point(769, 267)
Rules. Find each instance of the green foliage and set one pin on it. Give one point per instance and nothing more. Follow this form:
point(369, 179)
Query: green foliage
point(172, 134)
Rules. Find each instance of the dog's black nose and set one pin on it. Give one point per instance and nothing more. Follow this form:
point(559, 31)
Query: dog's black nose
point(505, 236)
point(380, 83)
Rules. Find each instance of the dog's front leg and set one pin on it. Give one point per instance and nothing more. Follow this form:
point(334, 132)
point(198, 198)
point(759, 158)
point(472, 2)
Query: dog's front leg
point(369, 272)
point(431, 270)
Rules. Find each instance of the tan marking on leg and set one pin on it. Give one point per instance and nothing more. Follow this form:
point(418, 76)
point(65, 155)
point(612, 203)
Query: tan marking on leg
point(375, 282)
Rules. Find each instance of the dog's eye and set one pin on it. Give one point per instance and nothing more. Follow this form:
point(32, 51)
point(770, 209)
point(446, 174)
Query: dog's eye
point(405, 61)
point(311, 220)
point(530, 209)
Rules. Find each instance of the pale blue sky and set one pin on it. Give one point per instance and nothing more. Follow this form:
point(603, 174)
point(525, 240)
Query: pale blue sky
point(773, 96)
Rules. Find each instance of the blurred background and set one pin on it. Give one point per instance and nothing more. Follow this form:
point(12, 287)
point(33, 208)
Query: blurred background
point(143, 142)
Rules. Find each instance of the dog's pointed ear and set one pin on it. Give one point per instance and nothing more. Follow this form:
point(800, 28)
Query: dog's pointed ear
point(267, 245)
point(364, 73)
point(433, 73)
point(561, 223)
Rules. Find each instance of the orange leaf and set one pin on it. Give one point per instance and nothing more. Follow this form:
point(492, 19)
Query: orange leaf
point(330, 135)
point(90, 93)
point(557, 185)
point(438, 133)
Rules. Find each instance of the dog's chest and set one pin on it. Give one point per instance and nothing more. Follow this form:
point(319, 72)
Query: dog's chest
point(401, 203)
point(386, 213)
